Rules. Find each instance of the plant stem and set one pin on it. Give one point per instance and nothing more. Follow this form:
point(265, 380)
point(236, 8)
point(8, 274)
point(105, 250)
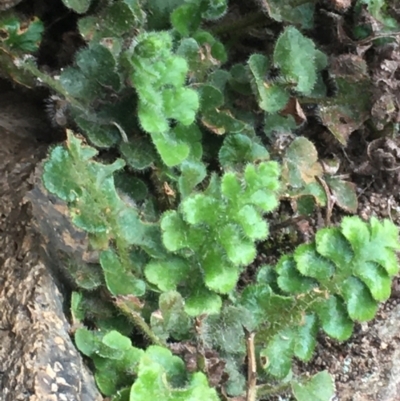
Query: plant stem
point(145, 328)
point(122, 304)
point(251, 394)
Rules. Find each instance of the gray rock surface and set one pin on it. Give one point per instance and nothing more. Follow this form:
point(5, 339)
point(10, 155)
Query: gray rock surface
point(38, 360)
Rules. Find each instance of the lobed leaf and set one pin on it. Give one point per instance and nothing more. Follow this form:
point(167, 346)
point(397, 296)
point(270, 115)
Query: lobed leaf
point(219, 275)
point(290, 280)
point(295, 55)
point(167, 274)
point(203, 301)
point(79, 6)
point(319, 388)
point(310, 264)
point(360, 304)
point(334, 318)
point(331, 243)
point(279, 353)
point(305, 339)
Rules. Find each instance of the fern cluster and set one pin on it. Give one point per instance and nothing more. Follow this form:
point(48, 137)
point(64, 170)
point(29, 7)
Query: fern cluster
point(181, 194)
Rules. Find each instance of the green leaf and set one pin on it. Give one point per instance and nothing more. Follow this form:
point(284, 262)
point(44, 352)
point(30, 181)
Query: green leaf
point(375, 244)
point(385, 231)
point(231, 187)
point(174, 72)
point(301, 163)
point(152, 119)
point(173, 365)
point(86, 276)
point(86, 341)
point(290, 280)
point(77, 85)
point(200, 208)
point(64, 186)
point(203, 301)
point(271, 97)
point(376, 279)
point(252, 223)
point(129, 226)
point(319, 388)
point(331, 243)
point(225, 330)
point(118, 280)
point(305, 339)
point(219, 275)
point(79, 6)
point(218, 51)
point(210, 98)
point(221, 121)
point(239, 80)
point(276, 124)
point(25, 38)
point(100, 135)
point(279, 353)
point(151, 384)
point(172, 152)
point(263, 305)
point(173, 319)
point(167, 274)
point(139, 154)
point(98, 63)
point(181, 104)
point(385, 234)
point(186, 19)
point(344, 194)
point(351, 107)
point(117, 341)
point(239, 250)
point(78, 313)
point(192, 174)
point(262, 185)
point(174, 231)
point(238, 148)
point(295, 55)
point(335, 320)
point(360, 304)
point(215, 9)
point(310, 264)
point(293, 12)
point(119, 18)
point(122, 395)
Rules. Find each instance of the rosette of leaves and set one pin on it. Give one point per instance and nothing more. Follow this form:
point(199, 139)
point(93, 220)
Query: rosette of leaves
point(96, 206)
point(213, 234)
point(331, 283)
point(158, 76)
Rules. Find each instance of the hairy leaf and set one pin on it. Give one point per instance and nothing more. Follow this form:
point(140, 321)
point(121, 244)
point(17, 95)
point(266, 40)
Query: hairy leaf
point(319, 388)
point(334, 318)
point(295, 55)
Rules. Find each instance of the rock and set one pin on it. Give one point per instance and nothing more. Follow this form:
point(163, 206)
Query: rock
point(38, 360)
